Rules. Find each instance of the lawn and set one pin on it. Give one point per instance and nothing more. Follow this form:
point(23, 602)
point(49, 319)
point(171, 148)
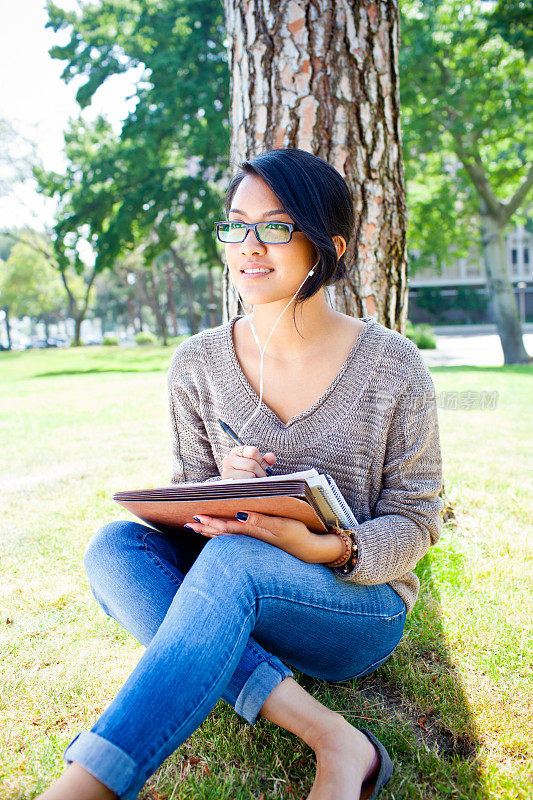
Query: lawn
point(454, 703)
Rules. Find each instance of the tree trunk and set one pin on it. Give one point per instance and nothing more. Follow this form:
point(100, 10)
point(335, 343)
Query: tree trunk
point(151, 299)
point(323, 77)
point(156, 305)
point(78, 308)
point(501, 289)
point(8, 327)
point(188, 288)
point(171, 305)
point(213, 320)
point(78, 319)
point(130, 299)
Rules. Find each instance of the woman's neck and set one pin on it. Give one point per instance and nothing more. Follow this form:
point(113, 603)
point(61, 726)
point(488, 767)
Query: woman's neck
point(314, 318)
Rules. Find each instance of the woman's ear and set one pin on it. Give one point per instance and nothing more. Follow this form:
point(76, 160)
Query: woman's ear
point(340, 245)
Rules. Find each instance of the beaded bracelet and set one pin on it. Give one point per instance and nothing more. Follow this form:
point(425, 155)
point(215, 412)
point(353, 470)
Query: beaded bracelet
point(349, 548)
point(352, 561)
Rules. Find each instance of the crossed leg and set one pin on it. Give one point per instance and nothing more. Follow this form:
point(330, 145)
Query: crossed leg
point(234, 586)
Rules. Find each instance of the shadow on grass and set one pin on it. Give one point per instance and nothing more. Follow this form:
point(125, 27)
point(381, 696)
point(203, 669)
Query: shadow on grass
point(518, 369)
point(415, 703)
point(93, 370)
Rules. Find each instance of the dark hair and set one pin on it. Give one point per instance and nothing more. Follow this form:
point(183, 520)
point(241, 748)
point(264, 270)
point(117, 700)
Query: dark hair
point(317, 198)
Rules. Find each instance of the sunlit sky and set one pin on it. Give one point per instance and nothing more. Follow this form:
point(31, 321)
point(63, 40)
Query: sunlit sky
point(38, 104)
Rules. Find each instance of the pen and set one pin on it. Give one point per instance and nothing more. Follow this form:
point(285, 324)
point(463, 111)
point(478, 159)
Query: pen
point(233, 436)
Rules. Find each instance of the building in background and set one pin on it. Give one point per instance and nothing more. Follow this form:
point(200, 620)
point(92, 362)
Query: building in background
point(458, 293)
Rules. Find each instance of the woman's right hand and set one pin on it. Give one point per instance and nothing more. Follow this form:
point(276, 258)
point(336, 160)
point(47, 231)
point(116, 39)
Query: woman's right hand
point(246, 462)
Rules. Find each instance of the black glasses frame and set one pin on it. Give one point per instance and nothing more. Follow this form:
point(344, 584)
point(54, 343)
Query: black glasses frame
point(253, 226)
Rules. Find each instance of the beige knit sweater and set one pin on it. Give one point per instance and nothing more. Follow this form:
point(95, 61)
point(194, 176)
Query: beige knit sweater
point(375, 430)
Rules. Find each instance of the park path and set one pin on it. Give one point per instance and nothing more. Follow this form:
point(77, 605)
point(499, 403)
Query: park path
point(472, 345)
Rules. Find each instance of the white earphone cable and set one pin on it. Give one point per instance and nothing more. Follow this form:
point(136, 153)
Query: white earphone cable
point(262, 350)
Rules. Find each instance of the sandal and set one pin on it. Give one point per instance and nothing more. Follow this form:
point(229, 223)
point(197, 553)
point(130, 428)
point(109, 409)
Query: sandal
point(385, 768)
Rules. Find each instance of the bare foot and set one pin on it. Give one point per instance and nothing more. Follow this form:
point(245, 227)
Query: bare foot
point(345, 760)
point(76, 783)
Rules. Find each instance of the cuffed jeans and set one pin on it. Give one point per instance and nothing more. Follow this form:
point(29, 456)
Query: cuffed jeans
point(219, 617)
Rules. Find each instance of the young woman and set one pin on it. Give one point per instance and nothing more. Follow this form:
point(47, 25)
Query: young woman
point(227, 606)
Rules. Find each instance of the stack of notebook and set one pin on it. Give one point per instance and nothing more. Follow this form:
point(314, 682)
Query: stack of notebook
point(311, 497)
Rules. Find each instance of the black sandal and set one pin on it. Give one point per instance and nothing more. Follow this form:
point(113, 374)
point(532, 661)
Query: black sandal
point(385, 766)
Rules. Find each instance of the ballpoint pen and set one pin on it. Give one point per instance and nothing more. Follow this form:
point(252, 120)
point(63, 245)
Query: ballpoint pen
point(233, 436)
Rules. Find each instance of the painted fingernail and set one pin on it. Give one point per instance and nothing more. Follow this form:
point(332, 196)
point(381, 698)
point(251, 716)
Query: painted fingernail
point(242, 515)
point(197, 519)
point(269, 470)
point(188, 526)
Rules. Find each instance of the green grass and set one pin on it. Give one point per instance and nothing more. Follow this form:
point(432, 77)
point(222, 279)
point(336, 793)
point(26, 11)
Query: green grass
point(453, 704)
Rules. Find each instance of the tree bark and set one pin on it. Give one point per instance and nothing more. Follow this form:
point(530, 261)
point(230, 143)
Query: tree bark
point(171, 305)
point(501, 289)
point(188, 287)
point(495, 215)
point(77, 330)
point(130, 300)
point(78, 309)
point(323, 77)
point(8, 327)
point(213, 320)
point(156, 305)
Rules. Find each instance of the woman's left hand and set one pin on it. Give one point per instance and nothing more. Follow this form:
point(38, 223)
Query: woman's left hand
point(288, 534)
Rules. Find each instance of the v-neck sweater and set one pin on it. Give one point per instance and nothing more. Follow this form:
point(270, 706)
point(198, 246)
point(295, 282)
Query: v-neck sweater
point(374, 430)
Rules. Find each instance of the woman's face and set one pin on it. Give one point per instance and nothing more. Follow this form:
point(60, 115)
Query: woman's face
point(289, 263)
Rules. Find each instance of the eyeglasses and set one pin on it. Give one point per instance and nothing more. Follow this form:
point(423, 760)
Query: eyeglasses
point(265, 232)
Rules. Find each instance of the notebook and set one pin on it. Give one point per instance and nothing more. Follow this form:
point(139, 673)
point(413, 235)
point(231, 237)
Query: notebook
point(309, 496)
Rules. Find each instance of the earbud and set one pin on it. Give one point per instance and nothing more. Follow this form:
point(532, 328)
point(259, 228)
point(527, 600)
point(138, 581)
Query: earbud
point(312, 270)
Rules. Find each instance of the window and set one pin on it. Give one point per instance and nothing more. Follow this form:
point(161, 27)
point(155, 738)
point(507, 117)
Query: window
point(526, 256)
point(514, 256)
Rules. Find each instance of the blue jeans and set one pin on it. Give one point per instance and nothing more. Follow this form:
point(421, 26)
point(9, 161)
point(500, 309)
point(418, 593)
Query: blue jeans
point(195, 603)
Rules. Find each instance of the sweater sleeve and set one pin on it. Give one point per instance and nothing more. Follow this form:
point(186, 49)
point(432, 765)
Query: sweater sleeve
point(407, 517)
point(192, 456)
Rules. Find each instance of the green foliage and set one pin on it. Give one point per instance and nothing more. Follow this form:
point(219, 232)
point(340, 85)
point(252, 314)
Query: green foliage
point(470, 299)
point(465, 103)
point(89, 149)
point(172, 149)
point(145, 337)
point(28, 285)
point(473, 302)
point(8, 239)
point(111, 299)
point(421, 335)
point(110, 340)
point(513, 21)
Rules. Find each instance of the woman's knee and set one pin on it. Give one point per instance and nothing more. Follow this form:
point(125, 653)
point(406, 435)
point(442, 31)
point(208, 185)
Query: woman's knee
point(109, 543)
point(238, 556)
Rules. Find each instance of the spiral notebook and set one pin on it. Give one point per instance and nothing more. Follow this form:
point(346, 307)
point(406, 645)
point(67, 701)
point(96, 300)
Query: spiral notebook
point(309, 496)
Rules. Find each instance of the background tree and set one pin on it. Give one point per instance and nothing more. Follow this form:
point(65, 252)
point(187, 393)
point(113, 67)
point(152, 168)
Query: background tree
point(133, 291)
point(76, 276)
point(324, 77)
point(114, 303)
point(28, 287)
point(467, 137)
point(171, 153)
